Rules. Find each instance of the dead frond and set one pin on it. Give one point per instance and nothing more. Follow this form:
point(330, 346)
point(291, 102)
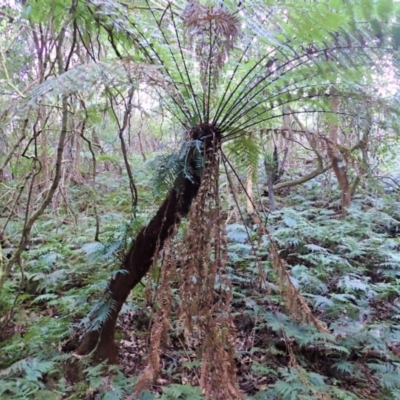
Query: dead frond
point(205, 294)
point(218, 360)
point(296, 304)
point(160, 327)
point(212, 33)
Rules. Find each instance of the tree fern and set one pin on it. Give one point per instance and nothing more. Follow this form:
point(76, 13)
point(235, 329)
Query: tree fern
point(220, 74)
point(253, 85)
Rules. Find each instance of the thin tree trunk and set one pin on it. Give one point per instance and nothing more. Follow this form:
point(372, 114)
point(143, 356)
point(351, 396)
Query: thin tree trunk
point(76, 170)
point(285, 137)
point(271, 194)
point(26, 231)
point(250, 197)
point(249, 189)
point(337, 159)
point(137, 263)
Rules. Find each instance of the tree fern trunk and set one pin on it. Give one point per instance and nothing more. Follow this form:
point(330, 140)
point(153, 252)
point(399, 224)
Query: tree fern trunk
point(145, 248)
point(137, 263)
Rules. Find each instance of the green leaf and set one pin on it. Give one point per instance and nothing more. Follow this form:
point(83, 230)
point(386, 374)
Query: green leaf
point(384, 9)
point(367, 8)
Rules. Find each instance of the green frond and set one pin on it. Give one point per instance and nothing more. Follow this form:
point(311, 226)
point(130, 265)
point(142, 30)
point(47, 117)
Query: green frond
point(182, 392)
point(94, 78)
point(244, 152)
point(98, 315)
point(170, 170)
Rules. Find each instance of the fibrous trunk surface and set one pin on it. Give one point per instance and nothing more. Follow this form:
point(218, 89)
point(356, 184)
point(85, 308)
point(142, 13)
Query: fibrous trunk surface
point(143, 251)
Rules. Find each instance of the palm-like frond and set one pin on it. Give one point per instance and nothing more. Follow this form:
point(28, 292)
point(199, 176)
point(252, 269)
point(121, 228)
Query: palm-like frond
point(96, 77)
point(244, 152)
point(288, 54)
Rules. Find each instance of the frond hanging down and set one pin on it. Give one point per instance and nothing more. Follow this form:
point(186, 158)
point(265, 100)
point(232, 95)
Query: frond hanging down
point(212, 32)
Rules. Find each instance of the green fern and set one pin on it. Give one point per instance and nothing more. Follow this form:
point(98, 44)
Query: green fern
point(244, 152)
point(182, 392)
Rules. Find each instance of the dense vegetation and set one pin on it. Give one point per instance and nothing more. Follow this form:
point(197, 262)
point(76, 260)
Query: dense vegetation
point(199, 200)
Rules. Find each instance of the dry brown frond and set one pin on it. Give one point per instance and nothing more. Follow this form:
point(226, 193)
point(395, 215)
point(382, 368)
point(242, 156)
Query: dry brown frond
point(146, 378)
point(160, 327)
point(195, 254)
point(212, 32)
point(206, 295)
point(295, 302)
point(218, 377)
point(197, 18)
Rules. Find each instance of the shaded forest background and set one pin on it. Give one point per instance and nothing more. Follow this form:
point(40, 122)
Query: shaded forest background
point(199, 200)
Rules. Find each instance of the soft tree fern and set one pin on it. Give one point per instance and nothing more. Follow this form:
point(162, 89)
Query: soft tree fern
point(237, 68)
point(222, 71)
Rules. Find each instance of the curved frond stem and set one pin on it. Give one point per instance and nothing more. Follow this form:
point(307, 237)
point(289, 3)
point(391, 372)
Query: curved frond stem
point(142, 48)
point(294, 99)
point(223, 105)
point(89, 51)
point(238, 131)
point(186, 68)
point(257, 258)
point(226, 163)
point(157, 88)
point(245, 93)
point(111, 38)
point(207, 109)
point(147, 54)
point(241, 113)
point(168, 7)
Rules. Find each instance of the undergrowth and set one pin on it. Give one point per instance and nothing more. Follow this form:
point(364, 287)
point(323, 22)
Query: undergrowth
point(346, 268)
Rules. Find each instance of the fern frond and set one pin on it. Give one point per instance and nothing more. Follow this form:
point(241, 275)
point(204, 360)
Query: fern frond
point(244, 152)
point(170, 170)
point(94, 78)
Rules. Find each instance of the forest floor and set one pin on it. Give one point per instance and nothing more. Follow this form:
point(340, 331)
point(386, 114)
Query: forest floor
point(343, 342)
